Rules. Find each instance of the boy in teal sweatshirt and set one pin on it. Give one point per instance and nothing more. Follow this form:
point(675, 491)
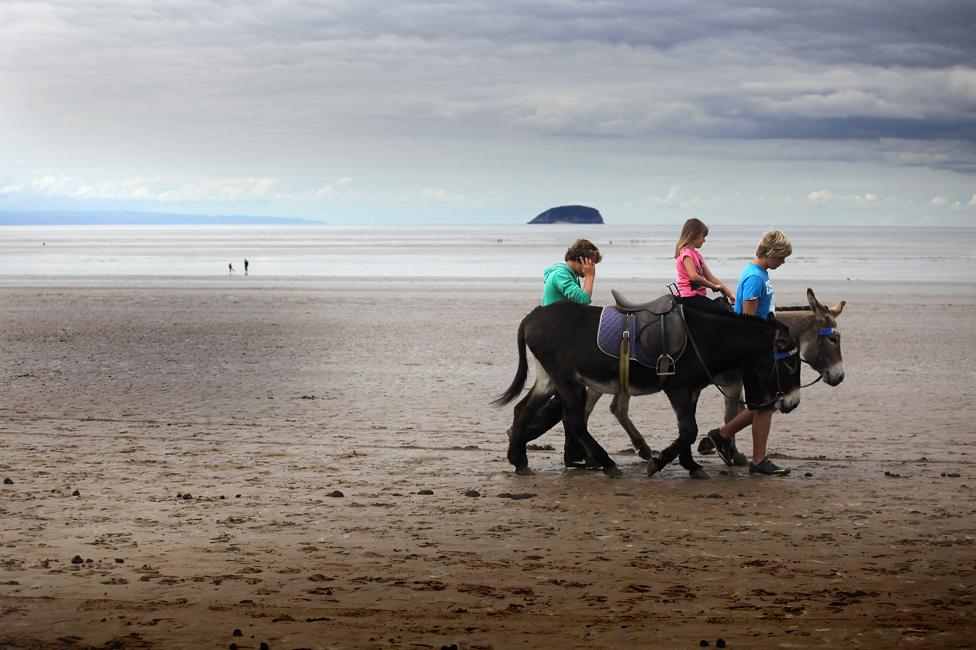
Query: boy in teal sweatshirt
point(563, 279)
point(562, 282)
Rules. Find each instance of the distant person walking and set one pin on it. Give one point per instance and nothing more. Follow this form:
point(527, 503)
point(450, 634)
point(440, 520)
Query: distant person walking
point(230, 268)
point(246, 264)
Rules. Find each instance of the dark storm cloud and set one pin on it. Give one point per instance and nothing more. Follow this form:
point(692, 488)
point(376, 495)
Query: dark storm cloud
point(884, 69)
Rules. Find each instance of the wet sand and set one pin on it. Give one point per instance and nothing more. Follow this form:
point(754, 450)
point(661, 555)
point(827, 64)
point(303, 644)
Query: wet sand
point(173, 448)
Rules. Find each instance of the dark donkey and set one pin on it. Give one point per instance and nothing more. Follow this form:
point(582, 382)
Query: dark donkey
point(814, 327)
point(562, 339)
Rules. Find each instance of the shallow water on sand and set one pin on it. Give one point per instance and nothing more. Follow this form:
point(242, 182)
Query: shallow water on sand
point(507, 251)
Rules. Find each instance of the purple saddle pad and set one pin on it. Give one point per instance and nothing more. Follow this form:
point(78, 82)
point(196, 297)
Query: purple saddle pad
point(611, 332)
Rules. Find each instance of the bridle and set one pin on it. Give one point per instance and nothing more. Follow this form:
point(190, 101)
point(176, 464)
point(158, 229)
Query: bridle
point(794, 351)
point(822, 335)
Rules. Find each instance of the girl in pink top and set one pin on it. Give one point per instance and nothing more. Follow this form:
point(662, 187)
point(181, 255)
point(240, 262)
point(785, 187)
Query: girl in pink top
point(694, 276)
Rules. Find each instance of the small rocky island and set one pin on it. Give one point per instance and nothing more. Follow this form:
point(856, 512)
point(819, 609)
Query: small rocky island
point(569, 214)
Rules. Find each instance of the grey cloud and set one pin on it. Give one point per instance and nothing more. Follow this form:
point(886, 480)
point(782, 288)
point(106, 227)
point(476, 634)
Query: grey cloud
point(894, 70)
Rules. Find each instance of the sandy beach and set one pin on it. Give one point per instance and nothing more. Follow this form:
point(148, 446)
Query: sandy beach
point(193, 463)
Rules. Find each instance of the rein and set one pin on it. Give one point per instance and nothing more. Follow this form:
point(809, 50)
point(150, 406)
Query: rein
point(819, 373)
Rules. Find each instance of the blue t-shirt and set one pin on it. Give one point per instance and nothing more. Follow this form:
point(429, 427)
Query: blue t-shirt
point(755, 283)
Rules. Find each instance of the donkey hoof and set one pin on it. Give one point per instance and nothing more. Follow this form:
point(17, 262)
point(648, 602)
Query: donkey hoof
point(524, 471)
point(699, 473)
point(646, 453)
point(706, 446)
point(612, 471)
point(652, 467)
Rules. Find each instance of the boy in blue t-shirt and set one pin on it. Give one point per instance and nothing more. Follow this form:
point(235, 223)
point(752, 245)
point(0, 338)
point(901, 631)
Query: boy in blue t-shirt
point(754, 285)
point(755, 296)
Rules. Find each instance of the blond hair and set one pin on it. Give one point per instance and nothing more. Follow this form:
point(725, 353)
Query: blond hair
point(774, 243)
point(692, 230)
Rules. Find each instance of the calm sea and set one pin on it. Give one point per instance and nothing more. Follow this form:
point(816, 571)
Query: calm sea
point(485, 252)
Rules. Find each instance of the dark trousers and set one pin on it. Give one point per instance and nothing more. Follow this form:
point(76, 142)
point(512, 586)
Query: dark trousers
point(548, 416)
point(720, 304)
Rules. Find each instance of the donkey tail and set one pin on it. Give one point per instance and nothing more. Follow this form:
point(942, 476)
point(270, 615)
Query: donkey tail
point(520, 375)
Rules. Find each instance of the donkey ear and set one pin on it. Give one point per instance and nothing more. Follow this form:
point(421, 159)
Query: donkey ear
point(835, 311)
point(814, 303)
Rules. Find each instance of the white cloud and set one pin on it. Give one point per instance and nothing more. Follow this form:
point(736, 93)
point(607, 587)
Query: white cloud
point(825, 197)
point(671, 198)
point(155, 189)
point(943, 202)
point(820, 196)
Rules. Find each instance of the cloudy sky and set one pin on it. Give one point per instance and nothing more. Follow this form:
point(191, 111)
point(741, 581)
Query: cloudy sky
point(361, 111)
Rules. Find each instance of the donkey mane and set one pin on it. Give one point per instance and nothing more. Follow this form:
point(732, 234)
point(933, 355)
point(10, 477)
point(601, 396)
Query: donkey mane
point(794, 308)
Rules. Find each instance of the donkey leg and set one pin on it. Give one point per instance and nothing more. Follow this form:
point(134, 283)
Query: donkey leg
point(574, 419)
point(732, 408)
point(525, 411)
point(668, 454)
point(733, 399)
point(620, 407)
point(685, 404)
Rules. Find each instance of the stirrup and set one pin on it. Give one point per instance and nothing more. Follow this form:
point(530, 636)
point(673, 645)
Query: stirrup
point(665, 365)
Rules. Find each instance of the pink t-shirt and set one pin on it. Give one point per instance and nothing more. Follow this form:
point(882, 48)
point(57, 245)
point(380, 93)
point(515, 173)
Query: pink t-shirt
point(685, 288)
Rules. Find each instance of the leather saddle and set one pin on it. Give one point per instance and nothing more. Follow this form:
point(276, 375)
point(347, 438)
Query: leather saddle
point(659, 328)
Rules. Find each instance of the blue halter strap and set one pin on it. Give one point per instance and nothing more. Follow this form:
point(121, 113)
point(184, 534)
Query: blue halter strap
point(779, 356)
point(827, 331)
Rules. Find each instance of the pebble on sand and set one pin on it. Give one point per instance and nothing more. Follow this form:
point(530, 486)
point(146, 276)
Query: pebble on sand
point(76, 493)
point(76, 560)
point(7, 481)
point(237, 632)
point(472, 493)
point(335, 493)
point(425, 492)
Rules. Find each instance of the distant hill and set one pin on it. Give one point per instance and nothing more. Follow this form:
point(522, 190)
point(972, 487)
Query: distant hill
point(569, 214)
point(48, 218)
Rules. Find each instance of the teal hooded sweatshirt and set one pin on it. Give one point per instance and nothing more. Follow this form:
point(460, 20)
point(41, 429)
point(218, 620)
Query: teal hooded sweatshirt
point(562, 284)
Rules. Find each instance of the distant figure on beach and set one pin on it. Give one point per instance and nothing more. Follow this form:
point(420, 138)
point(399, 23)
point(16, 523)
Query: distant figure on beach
point(246, 264)
point(562, 282)
point(230, 268)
